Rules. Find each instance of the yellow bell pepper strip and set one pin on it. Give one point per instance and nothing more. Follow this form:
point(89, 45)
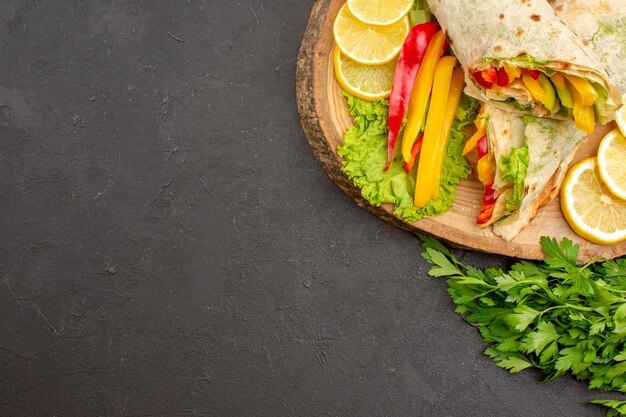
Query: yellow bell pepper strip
point(548, 88)
point(454, 96)
point(409, 60)
point(558, 80)
point(512, 71)
point(481, 130)
point(421, 92)
point(486, 173)
point(584, 115)
point(588, 94)
point(485, 167)
point(477, 140)
point(565, 96)
point(534, 88)
point(457, 83)
point(424, 181)
point(471, 143)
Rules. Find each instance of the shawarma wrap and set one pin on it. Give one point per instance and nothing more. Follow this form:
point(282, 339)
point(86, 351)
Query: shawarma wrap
point(601, 24)
point(519, 56)
point(531, 156)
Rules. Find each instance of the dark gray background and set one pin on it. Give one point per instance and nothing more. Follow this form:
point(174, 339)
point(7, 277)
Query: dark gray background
point(169, 245)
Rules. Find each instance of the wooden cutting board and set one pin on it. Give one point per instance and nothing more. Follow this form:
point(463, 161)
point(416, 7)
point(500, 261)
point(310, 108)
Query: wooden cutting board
point(324, 116)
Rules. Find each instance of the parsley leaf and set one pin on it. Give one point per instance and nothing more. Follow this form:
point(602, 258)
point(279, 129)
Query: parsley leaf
point(553, 315)
point(537, 341)
point(521, 317)
point(562, 257)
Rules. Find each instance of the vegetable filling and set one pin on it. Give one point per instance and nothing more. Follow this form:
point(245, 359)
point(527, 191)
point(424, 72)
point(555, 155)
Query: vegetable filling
point(556, 93)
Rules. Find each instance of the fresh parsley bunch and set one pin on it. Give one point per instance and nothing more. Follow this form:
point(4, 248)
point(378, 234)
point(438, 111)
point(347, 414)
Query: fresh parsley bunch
point(553, 315)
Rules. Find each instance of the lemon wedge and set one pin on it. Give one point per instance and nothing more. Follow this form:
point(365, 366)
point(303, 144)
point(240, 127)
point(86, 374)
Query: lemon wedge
point(366, 43)
point(612, 162)
point(367, 82)
point(379, 12)
point(590, 208)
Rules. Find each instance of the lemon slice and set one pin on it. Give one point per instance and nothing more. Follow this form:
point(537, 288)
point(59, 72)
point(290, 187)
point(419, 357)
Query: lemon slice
point(365, 43)
point(367, 82)
point(590, 208)
point(380, 12)
point(620, 116)
point(612, 162)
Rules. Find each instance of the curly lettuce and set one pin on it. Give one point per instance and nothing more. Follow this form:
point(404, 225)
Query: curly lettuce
point(364, 154)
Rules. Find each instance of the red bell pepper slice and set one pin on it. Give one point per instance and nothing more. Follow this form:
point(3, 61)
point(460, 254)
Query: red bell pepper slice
point(482, 146)
point(415, 150)
point(503, 78)
point(481, 81)
point(489, 195)
point(489, 203)
point(409, 61)
point(532, 73)
point(485, 214)
point(490, 74)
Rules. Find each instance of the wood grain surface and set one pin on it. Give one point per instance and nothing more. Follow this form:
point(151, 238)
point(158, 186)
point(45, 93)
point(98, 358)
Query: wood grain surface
point(325, 118)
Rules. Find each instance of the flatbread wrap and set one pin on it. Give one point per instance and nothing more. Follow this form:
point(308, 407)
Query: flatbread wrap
point(601, 24)
point(530, 157)
point(521, 57)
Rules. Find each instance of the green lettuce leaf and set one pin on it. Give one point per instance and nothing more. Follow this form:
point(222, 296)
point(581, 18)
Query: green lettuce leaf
point(522, 58)
point(364, 154)
point(514, 168)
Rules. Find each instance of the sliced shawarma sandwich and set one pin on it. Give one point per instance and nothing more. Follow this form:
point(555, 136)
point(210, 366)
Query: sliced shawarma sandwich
point(601, 24)
point(522, 163)
point(520, 56)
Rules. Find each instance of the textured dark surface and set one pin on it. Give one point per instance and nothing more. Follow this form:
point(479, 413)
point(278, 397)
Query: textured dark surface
point(170, 247)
